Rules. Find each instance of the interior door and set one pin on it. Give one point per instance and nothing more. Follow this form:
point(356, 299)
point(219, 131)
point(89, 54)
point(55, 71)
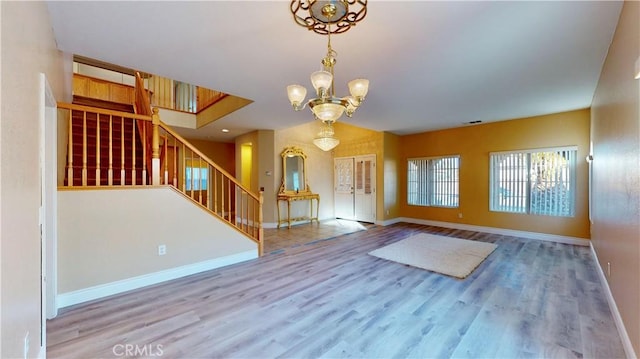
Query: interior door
point(343, 188)
point(365, 188)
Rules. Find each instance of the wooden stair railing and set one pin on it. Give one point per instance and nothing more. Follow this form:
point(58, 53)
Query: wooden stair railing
point(105, 150)
point(196, 176)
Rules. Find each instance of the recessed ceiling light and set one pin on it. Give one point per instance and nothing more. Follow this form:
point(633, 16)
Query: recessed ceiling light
point(225, 130)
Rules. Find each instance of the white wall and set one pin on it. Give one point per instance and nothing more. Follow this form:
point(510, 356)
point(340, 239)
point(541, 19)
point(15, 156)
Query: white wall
point(106, 236)
point(28, 49)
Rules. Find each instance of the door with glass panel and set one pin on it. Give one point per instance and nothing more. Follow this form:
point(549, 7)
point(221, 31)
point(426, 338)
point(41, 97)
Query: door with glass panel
point(343, 197)
point(365, 188)
point(355, 188)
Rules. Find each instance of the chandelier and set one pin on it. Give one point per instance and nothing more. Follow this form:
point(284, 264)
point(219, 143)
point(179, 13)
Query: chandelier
point(325, 140)
point(326, 107)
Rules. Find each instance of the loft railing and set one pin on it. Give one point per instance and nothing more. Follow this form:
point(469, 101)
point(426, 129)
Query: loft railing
point(181, 96)
point(111, 148)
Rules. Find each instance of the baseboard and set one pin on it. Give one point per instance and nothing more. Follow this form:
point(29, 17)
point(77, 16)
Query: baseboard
point(622, 331)
point(502, 231)
point(389, 222)
point(104, 290)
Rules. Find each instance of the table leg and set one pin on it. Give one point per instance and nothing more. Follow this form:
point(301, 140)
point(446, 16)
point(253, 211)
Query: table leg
point(278, 205)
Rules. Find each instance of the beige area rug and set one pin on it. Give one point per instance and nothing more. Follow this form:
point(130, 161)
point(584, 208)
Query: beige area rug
point(451, 256)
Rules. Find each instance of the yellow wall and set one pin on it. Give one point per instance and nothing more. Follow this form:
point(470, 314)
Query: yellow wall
point(473, 144)
point(261, 169)
point(223, 154)
point(246, 164)
point(391, 176)
point(615, 132)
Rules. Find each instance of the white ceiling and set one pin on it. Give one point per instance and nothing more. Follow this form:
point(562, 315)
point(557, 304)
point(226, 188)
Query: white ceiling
point(432, 65)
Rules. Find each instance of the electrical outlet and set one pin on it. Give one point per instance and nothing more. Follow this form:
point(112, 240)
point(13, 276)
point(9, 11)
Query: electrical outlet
point(608, 269)
point(162, 250)
point(26, 346)
point(460, 215)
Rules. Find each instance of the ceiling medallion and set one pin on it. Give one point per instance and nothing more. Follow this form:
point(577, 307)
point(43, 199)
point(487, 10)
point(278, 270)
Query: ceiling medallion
point(317, 15)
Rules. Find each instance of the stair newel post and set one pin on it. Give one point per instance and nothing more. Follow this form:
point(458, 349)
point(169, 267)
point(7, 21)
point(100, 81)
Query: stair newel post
point(260, 229)
point(155, 148)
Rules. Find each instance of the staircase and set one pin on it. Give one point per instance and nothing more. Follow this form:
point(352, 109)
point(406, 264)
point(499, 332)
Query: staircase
point(109, 147)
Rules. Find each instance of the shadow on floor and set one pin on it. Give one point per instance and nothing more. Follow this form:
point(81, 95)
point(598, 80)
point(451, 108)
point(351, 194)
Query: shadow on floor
point(278, 240)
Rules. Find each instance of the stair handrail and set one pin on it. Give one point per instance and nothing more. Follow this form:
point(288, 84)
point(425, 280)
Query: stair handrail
point(257, 232)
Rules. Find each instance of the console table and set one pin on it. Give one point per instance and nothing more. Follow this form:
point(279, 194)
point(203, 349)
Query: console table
point(290, 197)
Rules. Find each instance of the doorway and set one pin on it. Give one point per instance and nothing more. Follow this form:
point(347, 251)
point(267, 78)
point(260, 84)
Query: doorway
point(355, 188)
point(48, 167)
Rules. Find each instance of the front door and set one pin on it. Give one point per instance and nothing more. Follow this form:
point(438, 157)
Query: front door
point(365, 188)
point(343, 188)
point(355, 188)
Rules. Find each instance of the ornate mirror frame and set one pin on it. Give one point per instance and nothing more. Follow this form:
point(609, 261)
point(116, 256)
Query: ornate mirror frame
point(294, 161)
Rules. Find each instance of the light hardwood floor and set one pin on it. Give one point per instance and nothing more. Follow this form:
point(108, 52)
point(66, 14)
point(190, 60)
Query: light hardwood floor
point(310, 298)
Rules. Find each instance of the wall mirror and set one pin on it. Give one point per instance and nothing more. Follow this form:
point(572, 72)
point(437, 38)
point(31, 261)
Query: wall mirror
point(294, 171)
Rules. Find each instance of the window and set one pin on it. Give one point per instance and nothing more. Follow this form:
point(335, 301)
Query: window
point(538, 182)
point(195, 176)
point(433, 181)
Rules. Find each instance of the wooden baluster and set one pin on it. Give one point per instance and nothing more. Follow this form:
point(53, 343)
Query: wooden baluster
point(70, 151)
point(260, 229)
point(175, 162)
point(209, 187)
point(215, 191)
point(133, 152)
point(239, 206)
point(144, 152)
point(155, 144)
point(166, 159)
point(191, 174)
point(183, 169)
point(200, 180)
point(110, 172)
point(97, 149)
point(84, 149)
point(122, 171)
point(222, 196)
point(229, 197)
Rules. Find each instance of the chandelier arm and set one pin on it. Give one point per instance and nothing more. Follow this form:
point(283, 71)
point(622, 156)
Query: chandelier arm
point(301, 107)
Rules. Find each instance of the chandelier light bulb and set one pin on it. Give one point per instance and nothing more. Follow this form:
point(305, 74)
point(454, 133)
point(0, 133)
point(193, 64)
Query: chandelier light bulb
point(359, 88)
point(321, 81)
point(296, 95)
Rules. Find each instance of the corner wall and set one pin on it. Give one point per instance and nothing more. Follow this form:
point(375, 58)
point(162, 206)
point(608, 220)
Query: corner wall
point(615, 133)
point(28, 49)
